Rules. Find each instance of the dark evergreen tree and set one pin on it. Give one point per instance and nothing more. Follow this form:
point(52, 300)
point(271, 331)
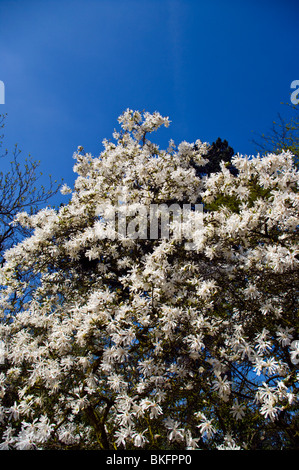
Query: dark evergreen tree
point(218, 151)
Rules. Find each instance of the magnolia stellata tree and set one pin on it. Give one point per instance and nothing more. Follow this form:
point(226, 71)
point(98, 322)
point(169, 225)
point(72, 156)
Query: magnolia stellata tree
point(116, 337)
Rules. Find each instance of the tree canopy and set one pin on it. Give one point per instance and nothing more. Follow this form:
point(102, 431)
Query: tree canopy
point(119, 339)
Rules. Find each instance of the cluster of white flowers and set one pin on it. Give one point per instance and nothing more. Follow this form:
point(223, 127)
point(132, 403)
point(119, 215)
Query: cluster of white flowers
point(139, 343)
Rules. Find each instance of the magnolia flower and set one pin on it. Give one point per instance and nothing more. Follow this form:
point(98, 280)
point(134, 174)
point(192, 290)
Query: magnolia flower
point(139, 439)
point(206, 428)
point(8, 439)
point(222, 386)
point(237, 410)
point(229, 444)
point(65, 189)
point(284, 335)
point(191, 442)
point(295, 352)
point(155, 409)
point(269, 410)
point(14, 412)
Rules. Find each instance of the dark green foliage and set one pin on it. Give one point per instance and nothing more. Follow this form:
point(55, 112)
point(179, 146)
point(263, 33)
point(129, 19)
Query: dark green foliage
point(218, 151)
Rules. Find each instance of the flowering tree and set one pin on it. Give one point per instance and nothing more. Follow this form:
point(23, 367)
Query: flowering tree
point(116, 340)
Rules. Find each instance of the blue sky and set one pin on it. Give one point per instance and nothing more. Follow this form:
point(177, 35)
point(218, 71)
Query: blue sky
point(71, 67)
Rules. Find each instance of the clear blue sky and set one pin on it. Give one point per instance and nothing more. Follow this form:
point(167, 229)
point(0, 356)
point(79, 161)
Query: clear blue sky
point(217, 68)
